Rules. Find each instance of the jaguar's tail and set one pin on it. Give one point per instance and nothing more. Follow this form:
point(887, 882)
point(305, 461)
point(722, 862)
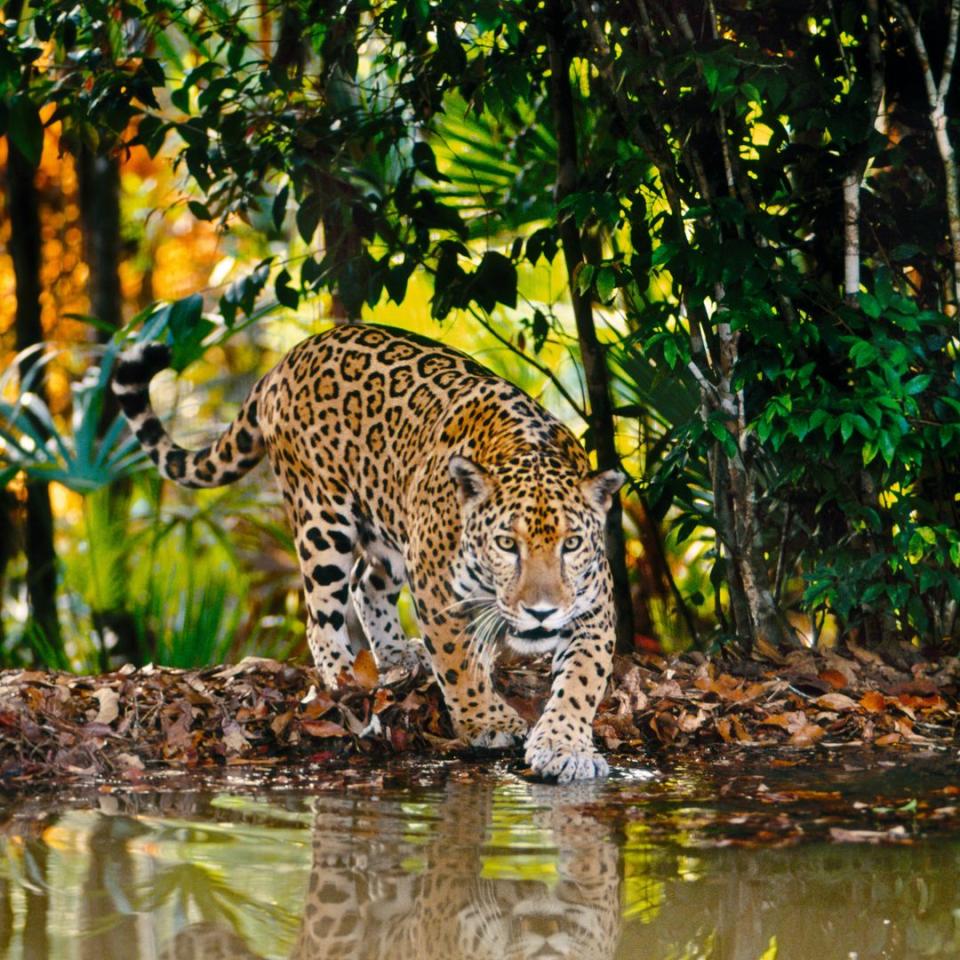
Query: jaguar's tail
point(238, 449)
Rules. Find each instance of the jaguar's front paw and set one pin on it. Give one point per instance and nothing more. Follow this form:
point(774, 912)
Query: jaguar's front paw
point(551, 756)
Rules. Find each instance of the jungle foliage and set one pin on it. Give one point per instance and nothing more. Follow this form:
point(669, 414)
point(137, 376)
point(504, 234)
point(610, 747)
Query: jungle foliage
point(755, 205)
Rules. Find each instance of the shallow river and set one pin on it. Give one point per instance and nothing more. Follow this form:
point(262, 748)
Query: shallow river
point(460, 860)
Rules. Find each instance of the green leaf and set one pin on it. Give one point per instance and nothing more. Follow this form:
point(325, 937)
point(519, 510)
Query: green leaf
point(279, 206)
point(917, 384)
point(396, 280)
point(425, 161)
point(584, 277)
point(184, 316)
point(664, 253)
point(870, 305)
point(606, 283)
point(495, 281)
point(286, 295)
point(887, 446)
point(24, 128)
point(670, 352)
point(308, 217)
point(721, 433)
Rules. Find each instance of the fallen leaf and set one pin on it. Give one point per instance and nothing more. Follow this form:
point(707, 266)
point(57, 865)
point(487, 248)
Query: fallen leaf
point(365, 670)
point(847, 668)
point(777, 720)
point(835, 678)
point(836, 701)
point(280, 722)
point(668, 690)
point(318, 706)
point(741, 731)
point(864, 655)
point(412, 701)
point(905, 728)
point(322, 728)
point(691, 722)
point(888, 740)
point(130, 761)
point(807, 735)
point(234, 738)
point(382, 699)
point(665, 727)
point(109, 705)
point(874, 701)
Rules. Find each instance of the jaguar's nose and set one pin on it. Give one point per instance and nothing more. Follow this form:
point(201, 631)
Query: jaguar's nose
point(539, 613)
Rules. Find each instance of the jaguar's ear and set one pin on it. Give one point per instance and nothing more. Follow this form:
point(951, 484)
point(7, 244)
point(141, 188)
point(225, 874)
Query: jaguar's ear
point(599, 487)
point(473, 482)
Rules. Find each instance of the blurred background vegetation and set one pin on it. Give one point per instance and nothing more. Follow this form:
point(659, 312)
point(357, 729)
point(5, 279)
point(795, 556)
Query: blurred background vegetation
point(719, 238)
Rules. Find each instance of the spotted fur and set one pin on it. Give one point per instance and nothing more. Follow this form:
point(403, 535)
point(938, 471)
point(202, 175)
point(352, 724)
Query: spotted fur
point(402, 461)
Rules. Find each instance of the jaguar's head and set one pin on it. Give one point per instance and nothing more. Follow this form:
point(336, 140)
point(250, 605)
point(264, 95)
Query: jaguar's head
point(533, 537)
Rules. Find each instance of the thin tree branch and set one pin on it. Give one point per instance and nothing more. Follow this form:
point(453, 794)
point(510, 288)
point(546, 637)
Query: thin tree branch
point(936, 97)
point(539, 367)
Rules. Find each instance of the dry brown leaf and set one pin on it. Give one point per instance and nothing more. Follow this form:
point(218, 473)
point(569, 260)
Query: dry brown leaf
point(723, 728)
point(322, 728)
point(130, 761)
point(665, 727)
point(234, 739)
point(412, 701)
point(724, 686)
point(365, 670)
point(864, 655)
point(905, 727)
point(630, 693)
point(741, 731)
point(888, 740)
point(777, 720)
point(847, 668)
point(874, 701)
point(690, 722)
point(807, 735)
point(836, 701)
point(382, 699)
point(933, 703)
point(667, 690)
point(280, 722)
point(835, 678)
point(109, 701)
point(903, 706)
point(317, 706)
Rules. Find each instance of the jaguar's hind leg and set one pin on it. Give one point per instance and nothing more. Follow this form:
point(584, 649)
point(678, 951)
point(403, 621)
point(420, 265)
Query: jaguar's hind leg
point(374, 588)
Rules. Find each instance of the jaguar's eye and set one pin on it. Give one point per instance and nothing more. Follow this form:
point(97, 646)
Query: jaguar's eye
point(507, 544)
point(571, 544)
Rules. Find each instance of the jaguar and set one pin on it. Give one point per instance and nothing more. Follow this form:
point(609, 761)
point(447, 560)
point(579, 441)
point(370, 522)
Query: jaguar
point(402, 461)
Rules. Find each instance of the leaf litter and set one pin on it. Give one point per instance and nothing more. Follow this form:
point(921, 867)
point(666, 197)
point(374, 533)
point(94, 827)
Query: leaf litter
point(124, 727)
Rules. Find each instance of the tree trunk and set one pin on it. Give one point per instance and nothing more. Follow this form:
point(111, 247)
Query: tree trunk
point(591, 350)
point(22, 207)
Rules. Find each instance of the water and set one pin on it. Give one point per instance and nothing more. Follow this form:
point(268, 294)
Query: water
point(460, 860)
